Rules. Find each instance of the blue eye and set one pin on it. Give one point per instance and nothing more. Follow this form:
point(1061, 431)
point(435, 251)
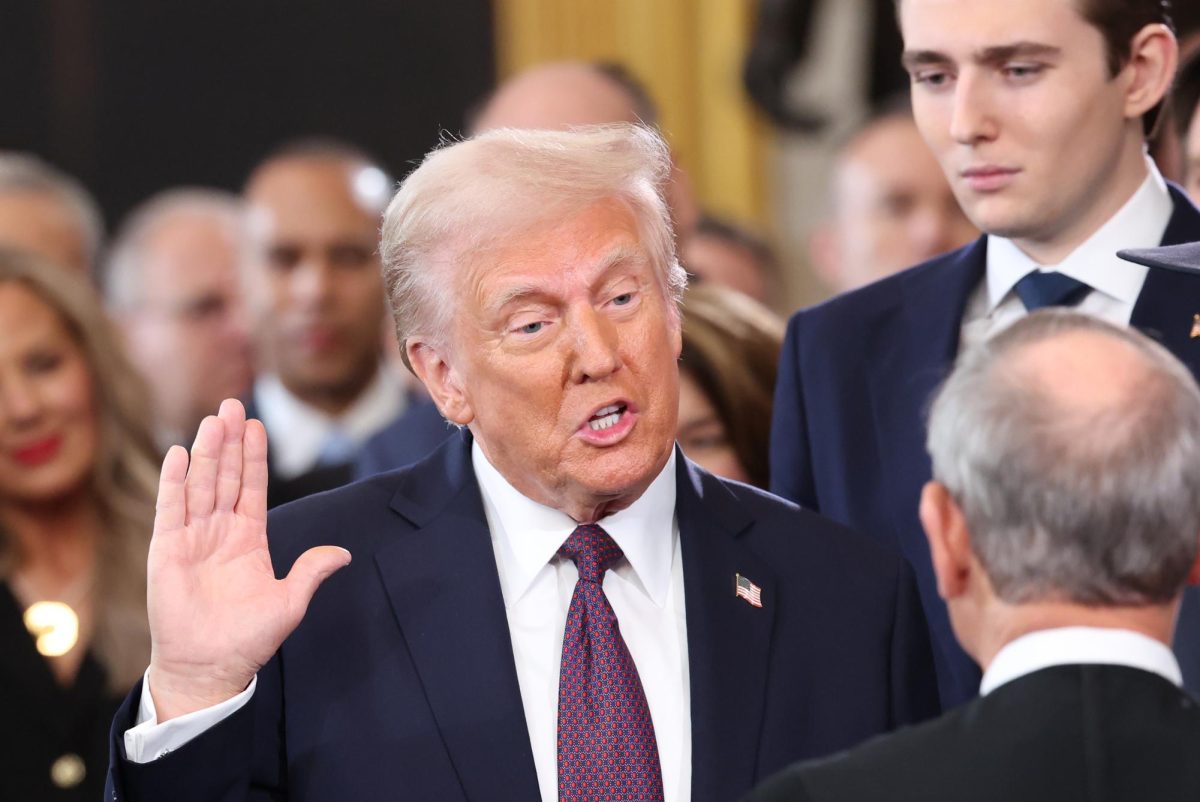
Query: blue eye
point(623, 299)
point(532, 328)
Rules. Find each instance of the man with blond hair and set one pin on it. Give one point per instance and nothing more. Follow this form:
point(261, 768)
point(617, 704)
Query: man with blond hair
point(555, 604)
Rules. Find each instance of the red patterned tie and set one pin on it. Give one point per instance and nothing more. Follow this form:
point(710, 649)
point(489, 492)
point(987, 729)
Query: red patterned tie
point(606, 746)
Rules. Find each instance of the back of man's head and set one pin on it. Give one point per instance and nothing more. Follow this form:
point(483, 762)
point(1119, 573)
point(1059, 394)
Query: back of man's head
point(45, 211)
point(1072, 448)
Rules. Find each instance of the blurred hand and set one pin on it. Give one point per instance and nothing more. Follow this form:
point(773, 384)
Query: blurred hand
point(217, 612)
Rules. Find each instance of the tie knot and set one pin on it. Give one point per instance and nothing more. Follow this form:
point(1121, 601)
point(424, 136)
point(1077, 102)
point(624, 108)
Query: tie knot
point(1037, 290)
point(592, 550)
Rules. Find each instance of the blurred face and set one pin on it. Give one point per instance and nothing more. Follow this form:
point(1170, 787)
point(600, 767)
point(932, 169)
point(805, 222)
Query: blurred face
point(564, 363)
point(722, 262)
point(317, 289)
point(39, 223)
point(702, 435)
point(1016, 101)
point(1191, 156)
point(190, 336)
point(893, 207)
point(47, 415)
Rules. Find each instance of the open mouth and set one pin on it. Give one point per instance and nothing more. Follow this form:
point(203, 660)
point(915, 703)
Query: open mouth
point(606, 417)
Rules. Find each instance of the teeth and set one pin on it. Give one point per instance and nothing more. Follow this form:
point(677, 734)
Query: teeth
point(605, 422)
point(600, 413)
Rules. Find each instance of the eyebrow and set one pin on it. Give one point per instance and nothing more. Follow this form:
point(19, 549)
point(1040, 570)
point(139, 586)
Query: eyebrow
point(997, 54)
point(614, 258)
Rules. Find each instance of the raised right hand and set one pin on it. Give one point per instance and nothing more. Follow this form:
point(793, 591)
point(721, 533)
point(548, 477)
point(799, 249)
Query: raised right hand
point(217, 612)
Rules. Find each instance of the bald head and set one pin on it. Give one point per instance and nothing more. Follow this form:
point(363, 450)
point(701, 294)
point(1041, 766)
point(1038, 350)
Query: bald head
point(1072, 448)
point(558, 95)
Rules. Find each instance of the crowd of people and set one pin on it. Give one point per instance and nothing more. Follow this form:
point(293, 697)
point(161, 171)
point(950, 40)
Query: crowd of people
point(562, 507)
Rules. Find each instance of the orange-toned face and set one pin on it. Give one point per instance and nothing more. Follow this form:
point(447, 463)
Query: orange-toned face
point(564, 362)
point(48, 432)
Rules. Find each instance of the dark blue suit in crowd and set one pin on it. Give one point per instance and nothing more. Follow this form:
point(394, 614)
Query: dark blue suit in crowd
point(400, 682)
point(855, 377)
point(410, 438)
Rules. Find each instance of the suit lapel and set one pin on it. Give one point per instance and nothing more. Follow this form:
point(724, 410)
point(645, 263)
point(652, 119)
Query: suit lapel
point(444, 590)
point(1170, 300)
point(728, 639)
point(922, 341)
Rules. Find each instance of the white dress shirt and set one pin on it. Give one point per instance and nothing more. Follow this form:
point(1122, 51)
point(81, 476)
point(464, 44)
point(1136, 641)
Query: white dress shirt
point(645, 590)
point(1079, 646)
point(298, 431)
point(1115, 283)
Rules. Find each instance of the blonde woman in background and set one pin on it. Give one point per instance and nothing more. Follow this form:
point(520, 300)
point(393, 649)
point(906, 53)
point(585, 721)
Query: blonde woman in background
point(727, 373)
point(78, 472)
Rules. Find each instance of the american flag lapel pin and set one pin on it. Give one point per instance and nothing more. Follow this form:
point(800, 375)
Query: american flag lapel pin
point(743, 588)
point(1196, 327)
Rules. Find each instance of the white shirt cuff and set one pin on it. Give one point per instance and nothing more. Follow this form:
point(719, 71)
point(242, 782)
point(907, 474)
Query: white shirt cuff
point(148, 740)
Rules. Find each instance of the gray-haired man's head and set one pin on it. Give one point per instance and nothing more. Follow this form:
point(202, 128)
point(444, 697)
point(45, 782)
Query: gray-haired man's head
point(1072, 448)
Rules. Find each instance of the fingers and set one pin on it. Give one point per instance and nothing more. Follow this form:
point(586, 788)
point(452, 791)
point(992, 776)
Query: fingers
point(311, 569)
point(229, 463)
point(201, 483)
point(169, 510)
point(252, 497)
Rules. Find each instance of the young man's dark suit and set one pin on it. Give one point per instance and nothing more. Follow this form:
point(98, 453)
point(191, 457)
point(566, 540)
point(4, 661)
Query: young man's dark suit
point(1080, 732)
point(847, 439)
point(400, 682)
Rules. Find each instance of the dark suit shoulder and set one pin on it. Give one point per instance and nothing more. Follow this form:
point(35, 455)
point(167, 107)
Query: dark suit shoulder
point(782, 528)
point(1050, 735)
point(863, 302)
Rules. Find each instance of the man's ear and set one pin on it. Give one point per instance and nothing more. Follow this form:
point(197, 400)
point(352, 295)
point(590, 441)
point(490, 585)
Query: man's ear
point(440, 379)
point(949, 541)
point(1193, 577)
point(1153, 57)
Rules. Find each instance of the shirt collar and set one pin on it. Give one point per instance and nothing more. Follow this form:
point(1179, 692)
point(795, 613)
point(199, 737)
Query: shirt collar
point(1079, 645)
point(308, 427)
point(527, 534)
point(1140, 223)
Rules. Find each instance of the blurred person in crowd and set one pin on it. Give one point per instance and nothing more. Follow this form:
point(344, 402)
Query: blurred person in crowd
point(1037, 111)
point(723, 252)
point(890, 206)
point(727, 382)
point(77, 476)
point(47, 212)
point(1185, 115)
point(316, 297)
point(559, 96)
point(1062, 557)
point(528, 584)
point(174, 283)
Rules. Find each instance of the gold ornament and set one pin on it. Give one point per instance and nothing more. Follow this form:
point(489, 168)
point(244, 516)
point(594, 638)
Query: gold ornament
point(55, 626)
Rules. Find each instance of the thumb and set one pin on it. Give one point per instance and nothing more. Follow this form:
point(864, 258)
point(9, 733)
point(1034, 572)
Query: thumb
point(310, 570)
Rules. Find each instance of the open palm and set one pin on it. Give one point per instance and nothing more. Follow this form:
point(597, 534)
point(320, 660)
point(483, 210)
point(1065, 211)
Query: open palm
point(217, 612)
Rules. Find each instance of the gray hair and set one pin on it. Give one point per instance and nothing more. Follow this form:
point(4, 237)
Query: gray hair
point(470, 196)
point(1098, 506)
point(24, 172)
point(123, 283)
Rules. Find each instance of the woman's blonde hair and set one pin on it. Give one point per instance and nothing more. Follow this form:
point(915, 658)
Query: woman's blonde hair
point(124, 475)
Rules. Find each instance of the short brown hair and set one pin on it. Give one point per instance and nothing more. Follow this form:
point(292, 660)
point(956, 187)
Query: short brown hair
point(731, 346)
point(1119, 21)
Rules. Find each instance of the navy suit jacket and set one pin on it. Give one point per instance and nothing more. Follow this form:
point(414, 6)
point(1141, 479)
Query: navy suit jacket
point(400, 682)
point(855, 377)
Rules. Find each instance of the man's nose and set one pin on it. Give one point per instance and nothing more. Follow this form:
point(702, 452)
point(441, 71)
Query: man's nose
point(971, 119)
point(595, 345)
point(19, 400)
point(312, 281)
